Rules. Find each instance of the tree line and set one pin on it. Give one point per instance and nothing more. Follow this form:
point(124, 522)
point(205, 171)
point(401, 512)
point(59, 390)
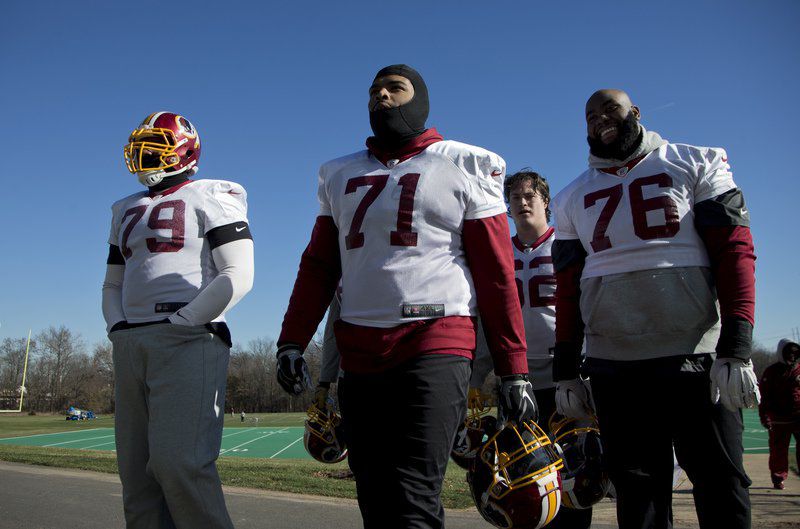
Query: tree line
point(64, 371)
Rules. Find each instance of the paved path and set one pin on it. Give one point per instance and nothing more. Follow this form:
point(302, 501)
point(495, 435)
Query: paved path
point(51, 498)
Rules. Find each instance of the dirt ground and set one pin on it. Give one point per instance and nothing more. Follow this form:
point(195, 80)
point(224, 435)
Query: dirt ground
point(772, 509)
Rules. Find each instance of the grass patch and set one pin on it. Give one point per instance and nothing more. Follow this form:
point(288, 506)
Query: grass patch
point(297, 476)
point(61, 457)
point(14, 424)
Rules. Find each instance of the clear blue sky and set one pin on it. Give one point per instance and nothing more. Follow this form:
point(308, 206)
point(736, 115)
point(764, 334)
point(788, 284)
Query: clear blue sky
point(276, 88)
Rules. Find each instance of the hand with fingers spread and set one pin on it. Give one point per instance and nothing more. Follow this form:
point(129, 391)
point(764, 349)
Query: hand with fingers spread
point(734, 383)
point(292, 372)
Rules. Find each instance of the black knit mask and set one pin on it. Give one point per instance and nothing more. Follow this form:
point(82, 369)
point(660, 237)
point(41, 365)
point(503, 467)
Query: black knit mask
point(395, 126)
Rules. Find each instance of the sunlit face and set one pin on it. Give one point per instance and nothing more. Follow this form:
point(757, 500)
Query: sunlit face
point(390, 91)
point(526, 206)
point(606, 110)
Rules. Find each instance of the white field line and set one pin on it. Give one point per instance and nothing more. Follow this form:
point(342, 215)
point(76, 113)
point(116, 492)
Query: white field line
point(241, 430)
point(285, 447)
point(79, 440)
point(54, 433)
point(94, 446)
point(250, 441)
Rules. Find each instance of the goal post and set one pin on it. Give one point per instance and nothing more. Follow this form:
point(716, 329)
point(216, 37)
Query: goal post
point(21, 390)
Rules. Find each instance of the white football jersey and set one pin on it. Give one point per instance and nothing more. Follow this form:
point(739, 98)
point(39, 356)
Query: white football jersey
point(641, 218)
point(536, 285)
point(167, 257)
point(400, 230)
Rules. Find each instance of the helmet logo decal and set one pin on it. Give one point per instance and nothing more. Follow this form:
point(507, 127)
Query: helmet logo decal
point(186, 126)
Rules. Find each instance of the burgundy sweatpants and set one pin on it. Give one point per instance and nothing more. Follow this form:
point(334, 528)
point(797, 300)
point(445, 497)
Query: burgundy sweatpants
point(779, 437)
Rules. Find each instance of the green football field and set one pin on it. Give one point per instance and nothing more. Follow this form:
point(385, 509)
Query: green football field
point(271, 442)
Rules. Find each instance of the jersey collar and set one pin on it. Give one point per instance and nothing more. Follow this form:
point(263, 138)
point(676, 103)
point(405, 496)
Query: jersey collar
point(168, 191)
point(410, 149)
point(538, 242)
point(623, 170)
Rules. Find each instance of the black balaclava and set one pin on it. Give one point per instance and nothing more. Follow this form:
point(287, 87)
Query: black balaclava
point(628, 140)
point(393, 127)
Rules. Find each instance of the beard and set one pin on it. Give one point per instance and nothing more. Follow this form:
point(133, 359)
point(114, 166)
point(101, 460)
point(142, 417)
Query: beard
point(628, 140)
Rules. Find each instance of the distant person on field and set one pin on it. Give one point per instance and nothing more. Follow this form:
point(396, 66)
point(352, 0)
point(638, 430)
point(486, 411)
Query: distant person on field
point(780, 409)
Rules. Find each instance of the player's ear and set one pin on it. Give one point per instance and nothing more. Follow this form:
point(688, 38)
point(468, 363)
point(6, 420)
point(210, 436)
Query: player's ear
point(636, 112)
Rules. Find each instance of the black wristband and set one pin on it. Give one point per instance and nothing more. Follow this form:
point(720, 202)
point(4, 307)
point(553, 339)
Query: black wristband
point(566, 361)
point(735, 339)
point(512, 378)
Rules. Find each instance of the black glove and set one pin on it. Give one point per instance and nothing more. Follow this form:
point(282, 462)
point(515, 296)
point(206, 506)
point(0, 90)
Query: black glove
point(293, 375)
point(517, 403)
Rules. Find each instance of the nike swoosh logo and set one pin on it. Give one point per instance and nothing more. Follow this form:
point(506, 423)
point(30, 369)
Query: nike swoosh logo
point(497, 173)
point(233, 193)
point(240, 228)
point(216, 406)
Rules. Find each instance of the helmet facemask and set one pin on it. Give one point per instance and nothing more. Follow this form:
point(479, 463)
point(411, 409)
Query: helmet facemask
point(323, 437)
point(515, 480)
point(585, 481)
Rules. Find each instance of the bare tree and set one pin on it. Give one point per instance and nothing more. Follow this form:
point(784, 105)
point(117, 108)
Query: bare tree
point(12, 362)
point(56, 350)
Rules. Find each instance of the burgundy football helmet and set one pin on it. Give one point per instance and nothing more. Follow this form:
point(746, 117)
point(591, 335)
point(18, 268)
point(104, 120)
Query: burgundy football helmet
point(475, 430)
point(165, 144)
point(515, 480)
point(584, 481)
point(470, 438)
point(323, 436)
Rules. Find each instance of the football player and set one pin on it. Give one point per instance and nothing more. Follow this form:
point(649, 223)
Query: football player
point(329, 370)
point(180, 256)
point(528, 196)
point(654, 263)
point(415, 228)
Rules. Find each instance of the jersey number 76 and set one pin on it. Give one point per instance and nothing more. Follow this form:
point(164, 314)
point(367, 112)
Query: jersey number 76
point(639, 208)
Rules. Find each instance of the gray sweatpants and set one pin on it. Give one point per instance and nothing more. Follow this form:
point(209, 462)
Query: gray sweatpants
point(170, 403)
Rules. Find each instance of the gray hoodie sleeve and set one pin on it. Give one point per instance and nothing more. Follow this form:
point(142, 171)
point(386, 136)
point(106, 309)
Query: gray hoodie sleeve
point(482, 365)
point(329, 371)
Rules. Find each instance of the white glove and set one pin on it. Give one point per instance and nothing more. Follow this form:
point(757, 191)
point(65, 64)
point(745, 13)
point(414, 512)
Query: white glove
point(734, 382)
point(574, 398)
